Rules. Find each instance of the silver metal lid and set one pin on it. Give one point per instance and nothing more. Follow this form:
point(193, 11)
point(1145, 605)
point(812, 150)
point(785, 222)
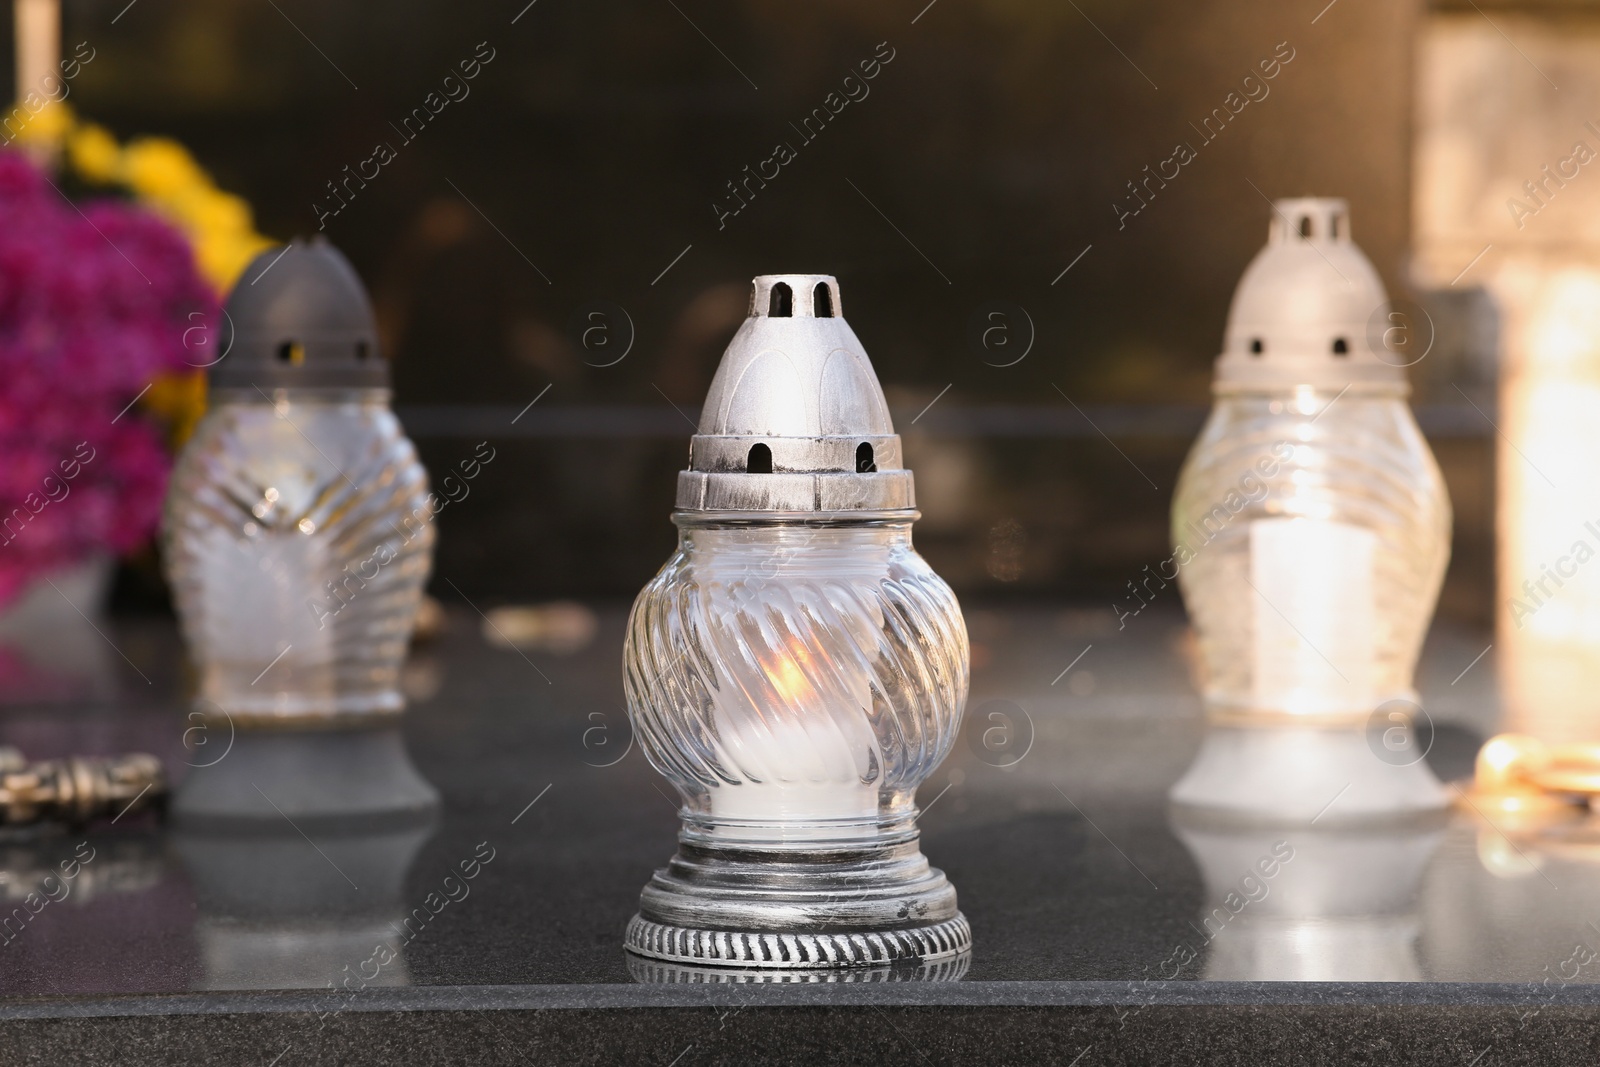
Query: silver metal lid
point(1304, 310)
point(795, 420)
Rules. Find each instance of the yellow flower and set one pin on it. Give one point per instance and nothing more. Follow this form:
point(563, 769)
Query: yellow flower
point(179, 399)
point(159, 168)
point(224, 256)
point(94, 153)
point(45, 126)
point(214, 211)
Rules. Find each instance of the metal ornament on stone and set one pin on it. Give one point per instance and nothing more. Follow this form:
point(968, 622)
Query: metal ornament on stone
point(1520, 781)
point(778, 664)
point(77, 790)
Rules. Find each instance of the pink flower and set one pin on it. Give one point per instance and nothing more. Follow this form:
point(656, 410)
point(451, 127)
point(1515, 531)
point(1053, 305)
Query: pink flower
point(94, 302)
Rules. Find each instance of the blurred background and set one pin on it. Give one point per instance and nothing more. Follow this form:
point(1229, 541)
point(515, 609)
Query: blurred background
point(562, 228)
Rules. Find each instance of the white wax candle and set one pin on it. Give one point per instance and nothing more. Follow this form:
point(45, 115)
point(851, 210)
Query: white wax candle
point(802, 755)
point(1313, 615)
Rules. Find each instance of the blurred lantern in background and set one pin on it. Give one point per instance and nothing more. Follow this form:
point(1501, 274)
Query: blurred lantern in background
point(298, 536)
point(1311, 532)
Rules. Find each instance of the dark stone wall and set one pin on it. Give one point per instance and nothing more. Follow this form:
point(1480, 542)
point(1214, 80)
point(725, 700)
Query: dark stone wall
point(593, 149)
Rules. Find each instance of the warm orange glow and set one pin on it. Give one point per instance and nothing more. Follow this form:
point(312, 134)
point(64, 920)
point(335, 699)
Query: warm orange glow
point(1500, 754)
point(1488, 213)
point(1549, 622)
point(789, 675)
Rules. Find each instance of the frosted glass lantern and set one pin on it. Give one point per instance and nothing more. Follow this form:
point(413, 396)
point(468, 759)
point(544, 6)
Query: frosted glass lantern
point(796, 669)
point(297, 538)
point(297, 527)
point(1311, 531)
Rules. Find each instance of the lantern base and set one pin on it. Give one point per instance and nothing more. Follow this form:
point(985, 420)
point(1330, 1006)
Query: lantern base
point(815, 906)
point(662, 972)
point(1288, 773)
point(321, 775)
point(803, 955)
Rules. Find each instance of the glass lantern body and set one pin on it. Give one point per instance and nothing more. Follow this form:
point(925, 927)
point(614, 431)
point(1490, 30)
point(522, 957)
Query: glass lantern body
point(298, 535)
point(796, 681)
point(1311, 532)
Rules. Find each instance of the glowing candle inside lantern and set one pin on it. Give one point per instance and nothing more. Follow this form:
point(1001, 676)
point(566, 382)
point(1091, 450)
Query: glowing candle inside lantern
point(808, 757)
point(1313, 640)
point(796, 669)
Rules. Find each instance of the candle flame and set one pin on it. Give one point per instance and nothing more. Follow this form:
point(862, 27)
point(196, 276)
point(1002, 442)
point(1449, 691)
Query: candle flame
point(790, 677)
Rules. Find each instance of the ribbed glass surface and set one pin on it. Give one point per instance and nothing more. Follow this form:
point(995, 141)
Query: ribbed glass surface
point(1311, 533)
point(796, 674)
point(297, 538)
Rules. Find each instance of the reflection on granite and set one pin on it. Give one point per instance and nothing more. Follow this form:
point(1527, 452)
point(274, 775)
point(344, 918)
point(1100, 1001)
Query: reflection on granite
point(1303, 904)
point(274, 914)
point(121, 920)
point(1068, 862)
point(1513, 906)
point(52, 864)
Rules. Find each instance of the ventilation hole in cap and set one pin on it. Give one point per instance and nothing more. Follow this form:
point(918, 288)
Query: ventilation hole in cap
point(363, 350)
point(1341, 347)
point(781, 305)
point(759, 461)
point(292, 353)
point(1256, 347)
point(822, 301)
point(864, 463)
point(1305, 225)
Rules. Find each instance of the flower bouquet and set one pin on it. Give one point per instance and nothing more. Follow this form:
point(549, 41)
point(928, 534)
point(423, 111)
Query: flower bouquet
point(97, 302)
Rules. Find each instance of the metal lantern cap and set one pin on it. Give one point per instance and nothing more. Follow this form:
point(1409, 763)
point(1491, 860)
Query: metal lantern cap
point(1307, 308)
point(299, 317)
point(795, 421)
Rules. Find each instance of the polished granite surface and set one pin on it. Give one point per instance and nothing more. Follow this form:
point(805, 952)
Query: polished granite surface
point(1083, 889)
